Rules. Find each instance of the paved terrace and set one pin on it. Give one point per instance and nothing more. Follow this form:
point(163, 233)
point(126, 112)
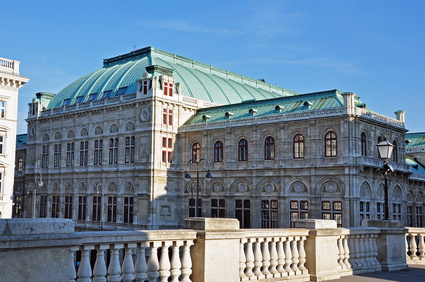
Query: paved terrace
point(414, 273)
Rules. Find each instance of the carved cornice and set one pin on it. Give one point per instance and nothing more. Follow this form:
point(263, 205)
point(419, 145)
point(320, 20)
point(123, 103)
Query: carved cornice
point(12, 80)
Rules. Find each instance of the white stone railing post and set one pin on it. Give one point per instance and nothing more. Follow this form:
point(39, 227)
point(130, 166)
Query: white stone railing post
point(186, 262)
point(242, 258)
point(128, 264)
point(302, 258)
point(266, 258)
point(281, 258)
point(415, 245)
point(421, 246)
point(99, 270)
point(258, 259)
point(295, 255)
point(249, 259)
point(84, 270)
point(288, 257)
point(141, 267)
point(273, 257)
point(153, 264)
point(175, 261)
point(164, 263)
point(114, 270)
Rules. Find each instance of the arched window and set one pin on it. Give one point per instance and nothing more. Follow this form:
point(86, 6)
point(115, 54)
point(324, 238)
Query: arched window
point(269, 148)
point(196, 152)
point(363, 141)
point(330, 144)
point(298, 149)
point(395, 155)
point(243, 150)
point(218, 151)
point(379, 141)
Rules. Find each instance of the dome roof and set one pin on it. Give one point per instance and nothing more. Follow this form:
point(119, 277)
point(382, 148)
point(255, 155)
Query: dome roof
point(119, 76)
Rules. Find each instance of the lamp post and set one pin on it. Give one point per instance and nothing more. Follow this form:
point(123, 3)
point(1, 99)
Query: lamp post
point(385, 150)
point(39, 183)
point(99, 189)
point(188, 177)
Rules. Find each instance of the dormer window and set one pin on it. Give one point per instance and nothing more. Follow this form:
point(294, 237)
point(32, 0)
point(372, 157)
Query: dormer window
point(79, 99)
point(65, 102)
point(278, 108)
point(205, 117)
point(168, 89)
point(228, 114)
point(121, 91)
point(107, 94)
point(93, 96)
point(145, 87)
point(307, 104)
point(252, 111)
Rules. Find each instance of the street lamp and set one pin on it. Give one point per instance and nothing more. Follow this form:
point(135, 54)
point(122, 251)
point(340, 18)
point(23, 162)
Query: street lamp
point(187, 177)
point(99, 189)
point(385, 150)
point(39, 183)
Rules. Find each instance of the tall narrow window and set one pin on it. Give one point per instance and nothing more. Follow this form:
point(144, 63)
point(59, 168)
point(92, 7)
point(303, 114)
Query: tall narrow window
point(145, 87)
point(418, 215)
point(98, 145)
point(84, 152)
point(332, 210)
point(164, 116)
point(1, 181)
point(129, 149)
point(298, 150)
point(170, 117)
point(298, 210)
point(396, 211)
point(269, 214)
point(168, 89)
point(379, 141)
point(1, 144)
point(20, 165)
point(128, 209)
point(330, 144)
point(192, 207)
point(55, 206)
point(112, 209)
point(395, 153)
point(82, 207)
point(243, 213)
point(380, 210)
point(57, 155)
point(68, 207)
point(243, 150)
point(218, 208)
point(45, 156)
point(196, 152)
point(97, 208)
point(70, 154)
point(113, 150)
point(3, 109)
point(409, 215)
point(43, 206)
point(269, 148)
point(218, 151)
point(364, 142)
point(364, 210)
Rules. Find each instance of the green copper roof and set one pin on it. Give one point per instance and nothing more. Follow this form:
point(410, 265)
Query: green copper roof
point(415, 140)
point(284, 105)
point(21, 139)
point(415, 167)
point(198, 80)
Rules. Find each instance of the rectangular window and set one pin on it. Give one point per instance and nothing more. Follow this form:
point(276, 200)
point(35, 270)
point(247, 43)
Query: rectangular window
point(298, 210)
point(84, 152)
point(145, 87)
point(128, 209)
point(218, 208)
point(92, 96)
point(332, 210)
point(192, 207)
point(79, 99)
point(70, 154)
point(129, 149)
point(43, 206)
point(55, 206)
point(17, 209)
point(168, 89)
point(397, 211)
point(409, 215)
point(97, 208)
point(98, 146)
point(269, 214)
point(1, 181)
point(106, 94)
point(121, 91)
point(45, 157)
point(418, 216)
point(364, 210)
point(164, 116)
point(65, 102)
point(113, 151)
point(170, 157)
point(68, 207)
point(170, 117)
point(2, 109)
point(112, 209)
point(82, 207)
point(57, 155)
point(1, 144)
point(243, 213)
point(380, 211)
point(164, 156)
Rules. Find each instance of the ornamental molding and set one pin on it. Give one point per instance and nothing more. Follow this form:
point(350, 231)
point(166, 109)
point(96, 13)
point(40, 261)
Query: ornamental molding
point(12, 81)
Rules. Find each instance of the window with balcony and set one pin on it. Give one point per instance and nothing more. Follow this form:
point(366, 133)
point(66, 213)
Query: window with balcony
point(196, 152)
point(298, 143)
point(243, 212)
point(243, 150)
point(218, 151)
point(298, 210)
point(129, 149)
point(269, 214)
point(330, 144)
point(218, 208)
point(269, 148)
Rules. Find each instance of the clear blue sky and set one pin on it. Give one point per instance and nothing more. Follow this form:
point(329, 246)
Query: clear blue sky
point(372, 48)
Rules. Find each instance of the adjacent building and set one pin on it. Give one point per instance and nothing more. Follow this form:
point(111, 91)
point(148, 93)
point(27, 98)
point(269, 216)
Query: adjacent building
point(111, 150)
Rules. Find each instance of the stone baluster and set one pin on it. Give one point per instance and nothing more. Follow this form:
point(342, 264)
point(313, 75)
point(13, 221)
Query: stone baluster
point(249, 258)
point(413, 247)
point(84, 271)
point(242, 258)
point(281, 257)
point(128, 264)
point(273, 257)
point(141, 268)
point(354, 252)
point(99, 270)
point(302, 255)
point(295, 255)
point(72, 274)
point(375, 249)
point(266, 257)
point(340, 252)
point(258, 259)
point(421, 246)
point(186, 262)
point(407, 236)
point(114, 269)
point(175, 261)
point(346, 252)
point(164, 263)
point(371, 253)
point(153, 264)
point(288, 256)
point(361, 252)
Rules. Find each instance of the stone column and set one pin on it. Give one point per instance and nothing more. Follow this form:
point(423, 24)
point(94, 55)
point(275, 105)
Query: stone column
point(321, 248)
point(215, 254)
point(391, 243)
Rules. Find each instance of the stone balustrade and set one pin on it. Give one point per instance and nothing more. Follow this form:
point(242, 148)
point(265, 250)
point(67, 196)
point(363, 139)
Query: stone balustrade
point(9, 66)
point(415, 245)
point(207, 250)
